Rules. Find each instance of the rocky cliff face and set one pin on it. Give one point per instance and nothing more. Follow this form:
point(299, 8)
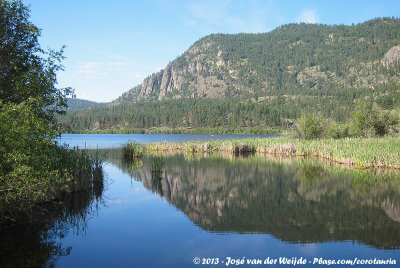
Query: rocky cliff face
point(392, 57)
point(191, 75)
point(297, 56)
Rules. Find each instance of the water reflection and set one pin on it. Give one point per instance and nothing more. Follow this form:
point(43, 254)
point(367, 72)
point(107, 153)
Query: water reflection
point(34, 239)
point(294, 200)
point(298, 201)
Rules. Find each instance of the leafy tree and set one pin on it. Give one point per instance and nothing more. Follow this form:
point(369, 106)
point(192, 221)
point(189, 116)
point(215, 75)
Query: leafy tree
point(26, 71)
point(309, 126)
point(368, 120)
point(32, 167)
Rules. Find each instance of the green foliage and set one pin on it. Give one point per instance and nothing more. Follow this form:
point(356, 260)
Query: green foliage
point(75, 104)
point(333, 130)
point(356, 152)
point(22, 138)
point(202, 115)
point(27, 71)
point(33, 169)
point(309, 126)
point(132, 150)
point(369, 121)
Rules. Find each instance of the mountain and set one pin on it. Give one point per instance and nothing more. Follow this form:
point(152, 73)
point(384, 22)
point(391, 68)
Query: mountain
point(252, 83)
point(75, 104)
point(292, 57)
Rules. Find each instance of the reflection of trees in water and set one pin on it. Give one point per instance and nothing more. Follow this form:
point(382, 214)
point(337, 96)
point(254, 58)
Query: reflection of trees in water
point(296, 201)
point(33, 241)
point(155, 165)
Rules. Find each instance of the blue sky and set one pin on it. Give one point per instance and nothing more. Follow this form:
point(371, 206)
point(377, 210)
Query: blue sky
point(111, 46)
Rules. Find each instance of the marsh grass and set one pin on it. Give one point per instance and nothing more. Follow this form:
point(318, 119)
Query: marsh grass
point(132, 150)
point(355, 152)
point(59, 173)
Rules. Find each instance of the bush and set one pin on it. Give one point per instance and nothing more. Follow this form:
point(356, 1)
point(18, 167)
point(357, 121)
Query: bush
point(333, 130)
point(309, 126)
point(368, 120)
point(33, 169)
point(132, 150)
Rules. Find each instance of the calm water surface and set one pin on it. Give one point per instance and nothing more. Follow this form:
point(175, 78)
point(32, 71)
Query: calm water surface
point(103, 141)
point(165, 211)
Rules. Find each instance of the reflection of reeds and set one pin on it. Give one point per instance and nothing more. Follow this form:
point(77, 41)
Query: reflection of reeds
point(156, 184)
point(359, 153)
point(80, 172)
point(89, 171)
point(35, 240)
point(134, 164)
point(98, 176)
point(157, 167)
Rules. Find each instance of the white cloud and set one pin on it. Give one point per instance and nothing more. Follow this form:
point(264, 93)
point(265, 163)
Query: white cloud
point(88, 68)
point(92, 68)
point(308, 16)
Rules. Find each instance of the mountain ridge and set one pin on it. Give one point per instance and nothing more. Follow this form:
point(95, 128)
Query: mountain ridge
point(75, 104)
point(295, 56)
point(260, 83)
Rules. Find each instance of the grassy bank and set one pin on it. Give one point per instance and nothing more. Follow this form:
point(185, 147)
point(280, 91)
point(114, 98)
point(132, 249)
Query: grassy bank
point(355, 152)
point(32, 181)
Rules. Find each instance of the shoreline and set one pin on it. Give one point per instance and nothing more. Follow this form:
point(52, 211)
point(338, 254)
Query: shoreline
point(202, 130)
point(359, 153)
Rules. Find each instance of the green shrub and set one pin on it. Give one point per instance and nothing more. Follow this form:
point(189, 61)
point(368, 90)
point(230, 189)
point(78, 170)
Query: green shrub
point(333, 130)
point(309, 126)
point(368, 120)
point(132, 150)
point(33, 168)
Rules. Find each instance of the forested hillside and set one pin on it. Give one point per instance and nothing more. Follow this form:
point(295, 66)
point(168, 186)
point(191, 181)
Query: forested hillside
point(75, 104)
point(248, 82)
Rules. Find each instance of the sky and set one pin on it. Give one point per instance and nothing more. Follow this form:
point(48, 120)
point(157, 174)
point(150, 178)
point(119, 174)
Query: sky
point(112, 45)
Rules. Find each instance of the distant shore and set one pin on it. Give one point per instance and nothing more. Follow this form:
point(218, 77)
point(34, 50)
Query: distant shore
point(213, 130)
point(356, 152)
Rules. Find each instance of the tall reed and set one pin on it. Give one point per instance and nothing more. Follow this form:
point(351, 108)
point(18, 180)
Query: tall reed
point(132, 150)
point(356, 152)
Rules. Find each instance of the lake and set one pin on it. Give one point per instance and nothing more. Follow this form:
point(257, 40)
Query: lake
point(176, 210)
point(104, 141)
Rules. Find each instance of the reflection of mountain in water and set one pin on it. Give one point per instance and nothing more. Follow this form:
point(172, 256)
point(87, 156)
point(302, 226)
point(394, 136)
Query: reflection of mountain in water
point(296, 202)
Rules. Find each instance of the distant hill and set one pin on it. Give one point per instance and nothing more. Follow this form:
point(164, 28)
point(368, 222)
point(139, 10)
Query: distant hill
point(292, 57)
point(252, 82)
point(75, 104)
